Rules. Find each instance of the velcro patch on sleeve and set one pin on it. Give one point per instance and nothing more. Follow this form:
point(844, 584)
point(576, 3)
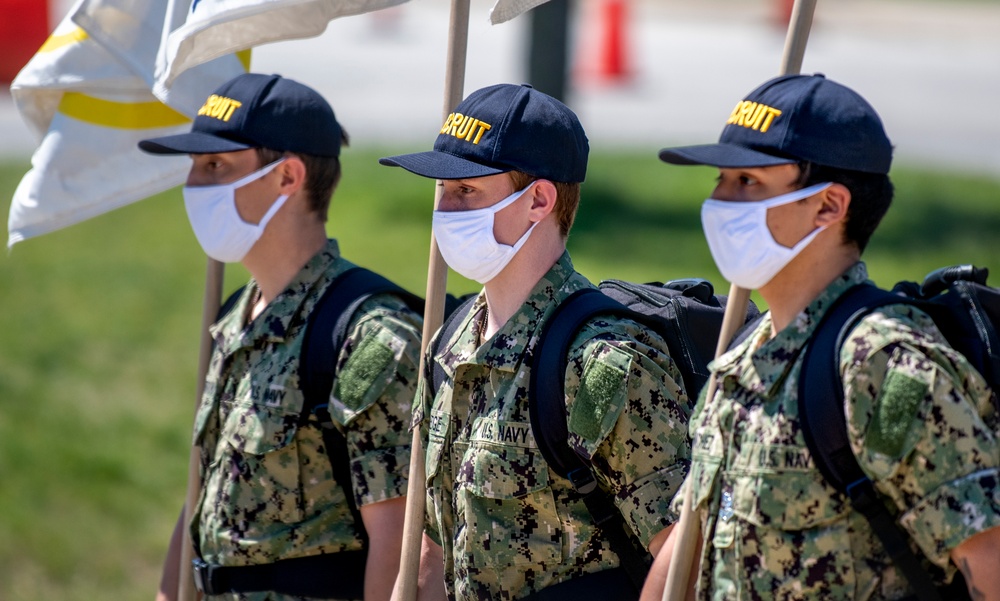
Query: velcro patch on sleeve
point(601, 397)
point(897, 405)
point(365, 375)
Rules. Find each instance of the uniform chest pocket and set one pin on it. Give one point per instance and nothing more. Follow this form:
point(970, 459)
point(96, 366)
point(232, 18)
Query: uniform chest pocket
point(264, 417)
point(257, 457)
point(507, 505)
point(779, 486)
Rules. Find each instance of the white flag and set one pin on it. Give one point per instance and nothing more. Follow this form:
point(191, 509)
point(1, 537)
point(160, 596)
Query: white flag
point(86, 94)
point(119, 71)
point(505, 10)
point(216, 28)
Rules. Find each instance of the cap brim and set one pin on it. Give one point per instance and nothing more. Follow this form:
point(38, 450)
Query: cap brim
point(721, 155)
point(191, 143)
point(440, 165)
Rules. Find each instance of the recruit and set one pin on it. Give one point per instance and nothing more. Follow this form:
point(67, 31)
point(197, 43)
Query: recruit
point(795, 205)
point(274, 521)
point(499, 523)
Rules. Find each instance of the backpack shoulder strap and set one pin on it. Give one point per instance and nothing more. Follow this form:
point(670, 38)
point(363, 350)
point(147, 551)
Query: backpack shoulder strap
point(547, 410)
point(546, 404)
point(824, 427)
point(821, 403)
point(328, 325)
point(452, 319)
point(745, 331)
point(325, 333)
point(230, 302)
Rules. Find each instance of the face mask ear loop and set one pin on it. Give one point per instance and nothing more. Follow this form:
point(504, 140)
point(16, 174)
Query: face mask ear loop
point(516, 247)
point(506, 203)
point(801, 244)
point(789, 198)
point(794, 195)
point(278, 203)
point(503, 204)
point(256, 175)
point(513, 251)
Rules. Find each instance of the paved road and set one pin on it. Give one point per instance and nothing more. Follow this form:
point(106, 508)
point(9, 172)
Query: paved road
point(932, 69)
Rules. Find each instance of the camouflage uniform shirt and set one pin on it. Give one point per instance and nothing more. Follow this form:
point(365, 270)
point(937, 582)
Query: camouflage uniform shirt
point(507, 525)
point(268, 491)
point(920, 422)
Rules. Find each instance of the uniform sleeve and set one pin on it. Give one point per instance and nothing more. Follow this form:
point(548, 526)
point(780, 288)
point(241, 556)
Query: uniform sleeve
point(373, 394)
point(628, 412)
point(923, 426)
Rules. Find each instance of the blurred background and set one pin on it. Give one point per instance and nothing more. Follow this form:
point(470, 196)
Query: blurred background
point(99, 322)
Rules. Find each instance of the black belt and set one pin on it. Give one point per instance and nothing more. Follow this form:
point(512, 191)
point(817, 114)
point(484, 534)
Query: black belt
point(597, 586)
point(327, 576)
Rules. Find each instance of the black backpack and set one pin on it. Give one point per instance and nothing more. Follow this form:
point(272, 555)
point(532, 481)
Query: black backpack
point(686, 313)
point(967, 312)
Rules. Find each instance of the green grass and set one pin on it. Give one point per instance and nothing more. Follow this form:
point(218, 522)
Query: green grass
point(100, 323)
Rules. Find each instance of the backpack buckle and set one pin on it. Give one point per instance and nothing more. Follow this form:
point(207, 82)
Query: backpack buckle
point(583, 480)
point(203, 576)
point(863, 496)
point(322, 413)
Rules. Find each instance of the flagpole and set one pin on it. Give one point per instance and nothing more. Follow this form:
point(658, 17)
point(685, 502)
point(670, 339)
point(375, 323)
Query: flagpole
point(798, 35)
point(210, 310)
point(688, 535)
point(437, 278)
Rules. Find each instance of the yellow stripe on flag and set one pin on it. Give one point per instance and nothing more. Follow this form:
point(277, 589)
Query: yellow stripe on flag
point(55, 42)
point(124, 115)
point(244, 57)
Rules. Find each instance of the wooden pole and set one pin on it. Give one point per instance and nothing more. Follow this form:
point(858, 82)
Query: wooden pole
point(437, 277)
point(210, 310)
point(798, 35)
point(688, 528)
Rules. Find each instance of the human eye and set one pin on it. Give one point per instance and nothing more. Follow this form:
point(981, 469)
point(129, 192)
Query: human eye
point(212, 164)
point(741, 179)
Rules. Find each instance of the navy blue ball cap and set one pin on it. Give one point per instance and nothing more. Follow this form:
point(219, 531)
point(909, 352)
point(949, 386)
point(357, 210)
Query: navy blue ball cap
point(504, 128)
point(254, 110)
point(796, 118)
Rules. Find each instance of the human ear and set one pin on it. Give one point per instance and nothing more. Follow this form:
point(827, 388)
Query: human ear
point(293, 174)
point(543, 199)
point(833, 205)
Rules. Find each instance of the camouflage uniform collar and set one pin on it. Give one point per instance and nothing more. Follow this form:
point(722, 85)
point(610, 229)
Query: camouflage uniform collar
point(761, 363)
point(505, 350)
point(273, 323)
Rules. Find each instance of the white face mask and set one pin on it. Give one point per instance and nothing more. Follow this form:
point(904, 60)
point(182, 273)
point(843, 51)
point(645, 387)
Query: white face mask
point(467, 243)
point(741, 243)
point(217, 224)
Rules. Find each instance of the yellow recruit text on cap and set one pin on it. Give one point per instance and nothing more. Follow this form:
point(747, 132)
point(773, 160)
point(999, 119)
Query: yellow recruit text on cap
point(465, 127)
point(122, 115)
point(753, 115)
point(219, 107)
